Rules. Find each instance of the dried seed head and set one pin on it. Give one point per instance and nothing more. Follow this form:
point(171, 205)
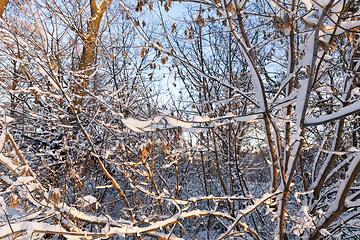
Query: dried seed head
point(26, 207)
point(173, 28)
point(149, 147)
point(164, 148)
point(54, 195)
point(137, 23)
point(282, 24)
point(164, 60)
point(14, 200)
point(167, 5)
point(23, 171)
point(326, 46)
point(230, 8)
point(200, 21)
point(15, 161)
point(191, 32)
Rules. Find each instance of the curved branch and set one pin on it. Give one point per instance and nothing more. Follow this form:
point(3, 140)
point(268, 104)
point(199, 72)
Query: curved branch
point(342, 113)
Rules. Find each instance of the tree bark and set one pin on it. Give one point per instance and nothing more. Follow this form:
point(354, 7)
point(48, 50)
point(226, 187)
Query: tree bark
point(93, 24)
point(90, 42)
point(3, 4)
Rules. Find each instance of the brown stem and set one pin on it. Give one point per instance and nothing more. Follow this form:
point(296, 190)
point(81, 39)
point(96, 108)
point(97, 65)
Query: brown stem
point(301, 119)
point(341, 206)
point(218, 163)
point(251, 62)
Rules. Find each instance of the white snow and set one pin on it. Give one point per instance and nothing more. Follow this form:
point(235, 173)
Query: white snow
point(355, 91)
point(335, 205)
point(2, 138)
point(178, 123)
point(88, 200)
point(136, 123)
point(307, 60)
point(201, 119)
point(188, 40)
point(308, 4)
point(345, 26)
point(6, 119)
point(8, 163)
point(343, 112)
point(29, 227)
point(326, 89)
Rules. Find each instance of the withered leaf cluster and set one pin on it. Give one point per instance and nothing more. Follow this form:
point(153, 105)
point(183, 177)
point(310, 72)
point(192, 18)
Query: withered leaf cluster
point(282, 23)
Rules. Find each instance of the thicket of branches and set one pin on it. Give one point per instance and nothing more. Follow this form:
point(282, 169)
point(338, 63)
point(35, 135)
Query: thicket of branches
point(233, 119)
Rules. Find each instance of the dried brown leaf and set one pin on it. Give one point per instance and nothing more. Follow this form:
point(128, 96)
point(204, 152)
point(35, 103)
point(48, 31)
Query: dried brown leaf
point(173, 28)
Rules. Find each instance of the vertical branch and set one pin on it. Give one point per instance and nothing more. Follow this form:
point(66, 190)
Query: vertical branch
point(204, 83)
point(218, 163)
point(230, 127)
point(90, 38)
point(244, 45)
point(325, 170)
point(327, 165)
point(339, 204)
point(289, 87)
point(301, 106)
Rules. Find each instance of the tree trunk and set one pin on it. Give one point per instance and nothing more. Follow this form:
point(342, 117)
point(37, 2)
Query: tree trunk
point(3, 4)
